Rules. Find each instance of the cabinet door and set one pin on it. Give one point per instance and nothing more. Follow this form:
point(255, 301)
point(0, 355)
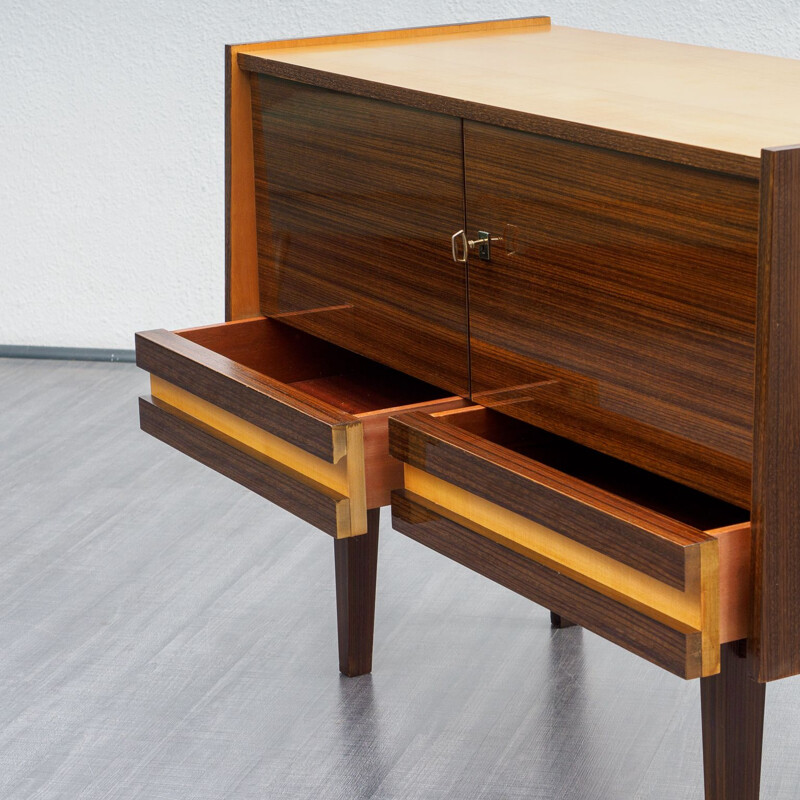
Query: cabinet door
point(356, 201)
point(624, 317)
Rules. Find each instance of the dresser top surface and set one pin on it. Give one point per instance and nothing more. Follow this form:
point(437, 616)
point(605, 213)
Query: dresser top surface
point(702, 97)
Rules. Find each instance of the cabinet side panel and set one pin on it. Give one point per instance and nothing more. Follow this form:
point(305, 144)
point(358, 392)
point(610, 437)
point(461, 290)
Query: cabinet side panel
point(630, 287)
point(356, 200)
point(241, 267)
point(776, 458)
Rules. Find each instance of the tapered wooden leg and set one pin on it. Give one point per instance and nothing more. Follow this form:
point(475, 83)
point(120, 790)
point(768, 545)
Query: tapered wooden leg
point(557, 621)
point(733, 724)
point(356, 569)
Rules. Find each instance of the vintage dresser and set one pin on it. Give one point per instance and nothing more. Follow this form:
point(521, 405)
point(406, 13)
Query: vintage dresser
point(538, 289)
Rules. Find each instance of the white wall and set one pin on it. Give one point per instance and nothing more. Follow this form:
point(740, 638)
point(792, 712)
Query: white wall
point(111, 139)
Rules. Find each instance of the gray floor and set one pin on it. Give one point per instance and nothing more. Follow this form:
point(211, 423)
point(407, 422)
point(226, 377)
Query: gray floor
point(166, 634)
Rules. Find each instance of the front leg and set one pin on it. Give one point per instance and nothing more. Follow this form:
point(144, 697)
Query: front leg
point(356, 559)
point(733, 725)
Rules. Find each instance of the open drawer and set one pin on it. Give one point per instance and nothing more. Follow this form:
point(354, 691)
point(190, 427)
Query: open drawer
point(296, 419)
point(648, 563)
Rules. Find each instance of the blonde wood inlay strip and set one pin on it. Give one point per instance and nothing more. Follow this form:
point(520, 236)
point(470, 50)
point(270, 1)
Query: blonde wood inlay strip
point(333, 476)
point(344, 518)
point(356, 480)
point(708, 589)
point(536, 539)
point(655, 614)
point(399, 34)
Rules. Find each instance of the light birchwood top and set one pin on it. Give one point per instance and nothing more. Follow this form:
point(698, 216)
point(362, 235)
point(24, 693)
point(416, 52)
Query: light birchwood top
point(695, 97)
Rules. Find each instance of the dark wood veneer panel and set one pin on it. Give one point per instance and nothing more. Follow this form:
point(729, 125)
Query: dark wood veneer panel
point(356, 201)
point(632, 289)
point(776, 462)
point(565, 409)
point(315, 505)
point(675, 650)
point(270, 404)
point(643, 539)
point(677, 152)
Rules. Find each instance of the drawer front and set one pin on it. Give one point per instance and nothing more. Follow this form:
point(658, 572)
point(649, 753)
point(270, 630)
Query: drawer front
point(632, 574)
point(624, 317)
point(356, 200)
point(297, 451)
point(664, 641)
point(313, 502)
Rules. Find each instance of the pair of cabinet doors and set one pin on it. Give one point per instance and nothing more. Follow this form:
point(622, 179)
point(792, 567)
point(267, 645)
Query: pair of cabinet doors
point(617, 304)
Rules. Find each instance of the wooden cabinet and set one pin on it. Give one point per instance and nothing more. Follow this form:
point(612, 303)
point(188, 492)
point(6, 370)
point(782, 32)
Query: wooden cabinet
point(536, 288)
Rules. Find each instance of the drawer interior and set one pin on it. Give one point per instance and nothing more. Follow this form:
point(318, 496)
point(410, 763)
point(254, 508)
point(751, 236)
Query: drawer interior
point(336, 376)
point(624, 480)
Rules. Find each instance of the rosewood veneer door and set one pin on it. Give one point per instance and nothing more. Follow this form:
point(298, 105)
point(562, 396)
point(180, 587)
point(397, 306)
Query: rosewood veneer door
point(625, 320)
point(356, 202)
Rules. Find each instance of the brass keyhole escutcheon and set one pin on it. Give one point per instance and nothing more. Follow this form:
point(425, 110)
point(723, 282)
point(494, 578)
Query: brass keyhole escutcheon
point(483, 244)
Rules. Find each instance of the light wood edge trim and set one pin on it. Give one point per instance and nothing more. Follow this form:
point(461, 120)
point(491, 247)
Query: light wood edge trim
point(332, 476)
point(450, 412)
point(356, 480)
point(702, 582)
point(339, 438)
point(718, 533)
point(396, 34)
point(242, 246)
point(343, 518)
point(538, 542)
point(218, 325)
point(434, 407)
